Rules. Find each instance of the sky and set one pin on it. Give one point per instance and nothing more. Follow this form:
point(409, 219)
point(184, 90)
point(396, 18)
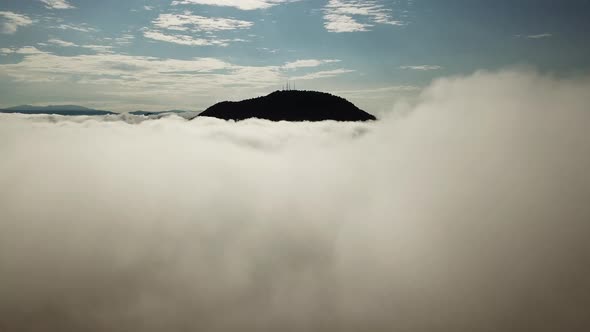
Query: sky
point(189, 54)
point(464, 208)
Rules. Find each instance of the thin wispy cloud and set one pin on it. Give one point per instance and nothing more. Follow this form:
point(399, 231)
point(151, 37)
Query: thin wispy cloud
point(144, 77)
point(186, 40)
point(95, 48)
point(22, 50)
point(196, 29)
point(62, 43)
point(239, 4)
point(322, 74)
point(75, 27)
point(10, 22)
point(308, 63)
point(537, 36)
point(354, 16)
point(57, 4)
point(144, 71)
point(422, 67)
point(189, 22)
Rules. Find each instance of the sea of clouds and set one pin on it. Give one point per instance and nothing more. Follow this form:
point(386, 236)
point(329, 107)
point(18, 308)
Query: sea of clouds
point(467, 211)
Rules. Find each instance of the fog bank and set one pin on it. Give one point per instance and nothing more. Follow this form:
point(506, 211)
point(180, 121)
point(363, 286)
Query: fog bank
point(465, 212)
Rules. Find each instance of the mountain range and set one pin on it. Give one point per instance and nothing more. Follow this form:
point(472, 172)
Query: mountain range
point(73, 110)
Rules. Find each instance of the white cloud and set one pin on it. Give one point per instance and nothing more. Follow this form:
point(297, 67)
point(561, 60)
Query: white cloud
point(343, 23)
point(344, 15)
point(539, 36)
point(422, 67)
point(96, 48)
point(200, 27)
point(125, 77)
point(22, 50)
point(125, 39)
point(240, 4)
point(188, 21)
point(10, 22)
point(99, 48)
point(183, 39)
point(57, 4)
point(308, 63)
point(28, 50)
point(76, 27)
point(62, 43)
point(149, 69)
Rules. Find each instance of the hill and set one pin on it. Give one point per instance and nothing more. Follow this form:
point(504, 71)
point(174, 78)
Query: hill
point(146, 113)
point(290, 105)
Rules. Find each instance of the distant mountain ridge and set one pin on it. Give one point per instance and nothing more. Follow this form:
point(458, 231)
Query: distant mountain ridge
point(147, 113)
point(75, 110)
point(47, 108)
point(290, 105)
point(68, 110)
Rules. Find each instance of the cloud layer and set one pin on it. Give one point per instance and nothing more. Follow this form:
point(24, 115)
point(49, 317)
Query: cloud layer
point(150, 79)
point(467, 212)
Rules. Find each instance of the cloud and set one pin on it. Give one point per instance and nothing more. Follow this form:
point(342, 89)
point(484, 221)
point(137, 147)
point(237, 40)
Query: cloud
point(422, 67)
point(76, 27)
point(10, 22)
point(539, 36)
point(183, 39)
point(308, 63)
point(195, 24)
point(57, 4)
point(388, 89)
point(99, 48)
point(137, 79)
point(239, 4)
point(132, 80)
point(27, 50)
point(188, 21)
point(344, 15)
point(96, 48)
point(469, 211)
point(62, 43)
point(94, 66)
point(322, 74)
point(125, 39)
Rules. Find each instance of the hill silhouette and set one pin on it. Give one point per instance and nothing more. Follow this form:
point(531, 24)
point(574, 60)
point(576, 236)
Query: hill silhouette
point(290, 105)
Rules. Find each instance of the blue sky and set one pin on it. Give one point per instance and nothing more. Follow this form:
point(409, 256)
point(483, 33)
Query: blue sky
point(189, 54)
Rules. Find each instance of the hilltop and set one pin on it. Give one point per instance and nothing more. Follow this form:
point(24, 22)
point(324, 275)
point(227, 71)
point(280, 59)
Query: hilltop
point(290, 105)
